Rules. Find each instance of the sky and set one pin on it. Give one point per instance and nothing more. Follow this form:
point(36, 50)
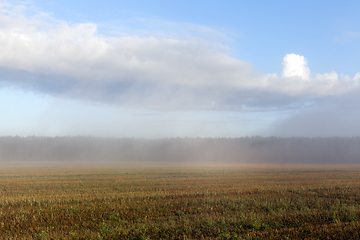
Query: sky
point(157, 69)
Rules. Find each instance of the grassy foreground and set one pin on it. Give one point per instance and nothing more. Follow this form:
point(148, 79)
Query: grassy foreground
point(173, 202)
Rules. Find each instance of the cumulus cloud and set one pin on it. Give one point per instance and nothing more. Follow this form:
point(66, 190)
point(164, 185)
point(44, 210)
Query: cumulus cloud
point(295, 65)
point(72, 60)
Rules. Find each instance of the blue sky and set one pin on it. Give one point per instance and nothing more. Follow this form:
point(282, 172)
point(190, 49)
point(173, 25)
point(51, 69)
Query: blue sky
point(260, 32)
point(179, 68)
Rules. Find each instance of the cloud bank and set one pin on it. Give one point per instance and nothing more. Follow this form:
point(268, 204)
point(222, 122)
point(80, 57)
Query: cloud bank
point(55, 57)
point(165, 73)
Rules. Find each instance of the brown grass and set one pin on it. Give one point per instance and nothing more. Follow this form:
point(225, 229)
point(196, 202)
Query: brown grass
point(180, 202)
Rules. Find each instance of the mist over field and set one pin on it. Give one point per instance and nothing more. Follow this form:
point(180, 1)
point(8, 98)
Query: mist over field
point(183, 119)
point(245, 150)
point(142, 77)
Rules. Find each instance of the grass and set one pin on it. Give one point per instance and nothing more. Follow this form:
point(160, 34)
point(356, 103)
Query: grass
point(197, 202)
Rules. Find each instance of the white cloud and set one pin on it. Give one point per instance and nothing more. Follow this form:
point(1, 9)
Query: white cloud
point(297, 79)
point(144, 71)
point(295, 65)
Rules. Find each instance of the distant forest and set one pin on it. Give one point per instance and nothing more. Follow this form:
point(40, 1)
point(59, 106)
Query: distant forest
point(240, 150)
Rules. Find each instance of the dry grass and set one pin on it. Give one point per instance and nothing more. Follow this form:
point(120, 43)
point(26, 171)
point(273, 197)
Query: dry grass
point(180, 202)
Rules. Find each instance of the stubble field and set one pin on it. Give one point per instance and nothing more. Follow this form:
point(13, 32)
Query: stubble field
point(180, 202)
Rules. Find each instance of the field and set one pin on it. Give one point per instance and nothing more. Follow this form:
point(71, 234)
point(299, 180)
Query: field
point(180, 202)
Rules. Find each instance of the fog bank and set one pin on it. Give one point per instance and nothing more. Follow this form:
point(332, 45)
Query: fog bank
point(248, 150)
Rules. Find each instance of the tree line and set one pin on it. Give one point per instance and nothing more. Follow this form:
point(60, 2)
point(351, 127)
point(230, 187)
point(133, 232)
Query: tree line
point(296, 150)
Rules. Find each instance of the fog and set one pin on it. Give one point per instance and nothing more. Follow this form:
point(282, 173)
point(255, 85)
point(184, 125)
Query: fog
point(336, 116)
point(245, 150)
